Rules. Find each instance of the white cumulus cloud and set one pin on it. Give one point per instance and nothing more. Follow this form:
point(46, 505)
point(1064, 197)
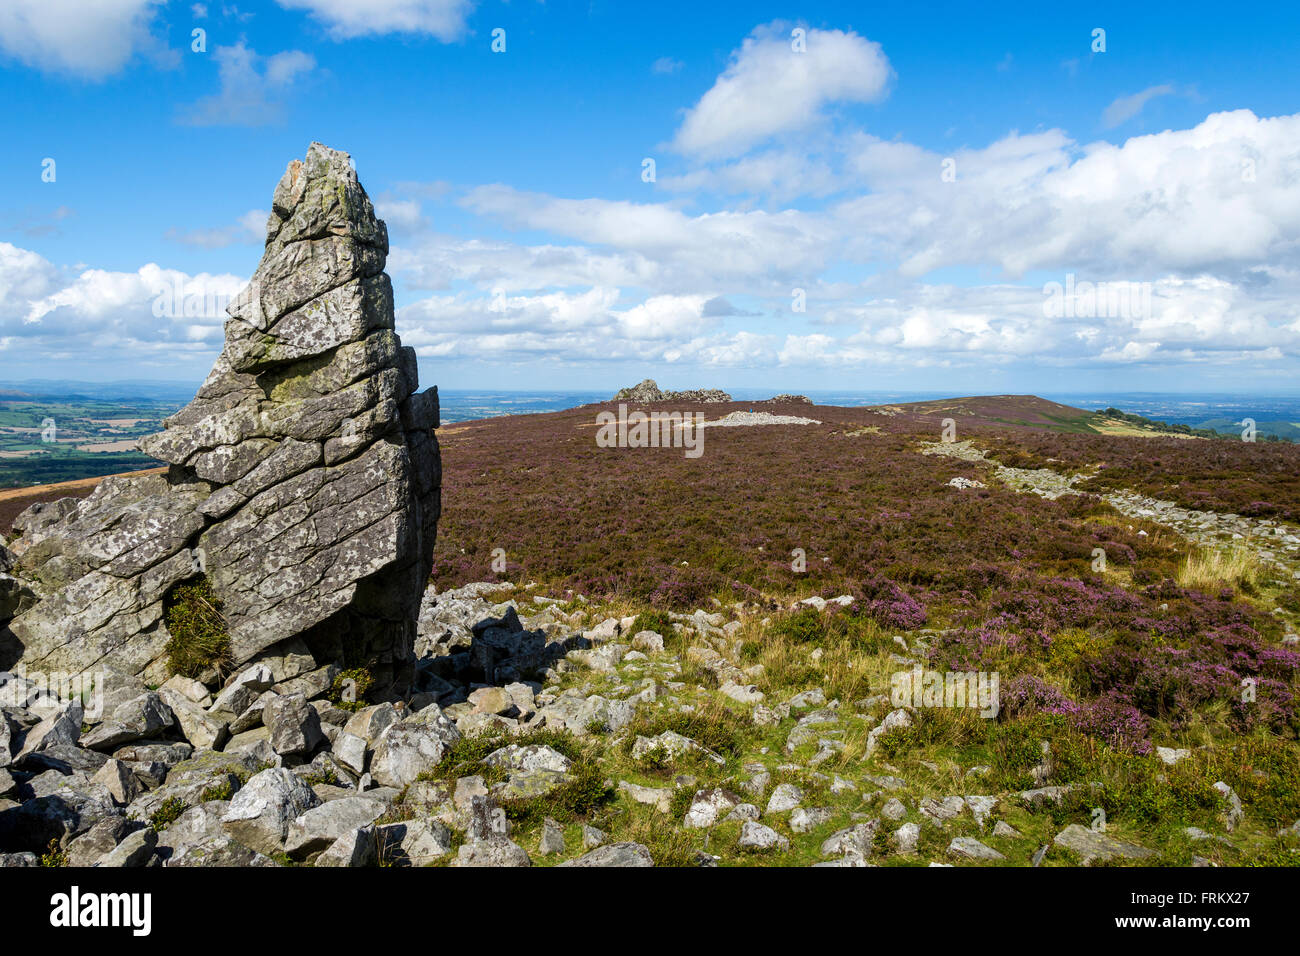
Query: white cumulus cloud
point(770, 88)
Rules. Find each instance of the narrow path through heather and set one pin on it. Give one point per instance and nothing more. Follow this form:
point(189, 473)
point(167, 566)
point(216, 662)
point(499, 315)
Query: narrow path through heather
point(1273, 542)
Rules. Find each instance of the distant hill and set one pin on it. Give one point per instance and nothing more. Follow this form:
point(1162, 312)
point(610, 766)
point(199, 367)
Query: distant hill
point(1008, 409)
point(1288, 430)
point(1034, 412)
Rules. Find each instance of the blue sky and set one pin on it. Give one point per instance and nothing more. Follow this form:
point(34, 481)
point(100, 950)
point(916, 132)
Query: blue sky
point(926, 175)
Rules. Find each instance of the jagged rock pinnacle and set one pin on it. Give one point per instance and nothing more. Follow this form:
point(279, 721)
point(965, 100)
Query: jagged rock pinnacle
point(305, 473)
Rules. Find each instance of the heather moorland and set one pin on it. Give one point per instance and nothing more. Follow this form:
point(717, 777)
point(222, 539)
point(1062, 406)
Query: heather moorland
point(1099, 664)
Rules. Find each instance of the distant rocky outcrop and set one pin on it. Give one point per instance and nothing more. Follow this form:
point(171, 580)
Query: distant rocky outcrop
point(649, 391)
point(784, 399)
point(304, 479)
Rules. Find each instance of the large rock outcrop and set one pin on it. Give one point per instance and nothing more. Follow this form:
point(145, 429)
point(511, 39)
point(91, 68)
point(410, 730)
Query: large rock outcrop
point(304, 476)
point(649, 391)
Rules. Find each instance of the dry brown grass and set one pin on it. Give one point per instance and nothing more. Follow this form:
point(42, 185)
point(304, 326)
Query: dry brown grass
point(1209, 569)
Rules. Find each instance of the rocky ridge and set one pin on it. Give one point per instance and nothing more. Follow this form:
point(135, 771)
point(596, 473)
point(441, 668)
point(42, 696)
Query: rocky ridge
point(648, 391)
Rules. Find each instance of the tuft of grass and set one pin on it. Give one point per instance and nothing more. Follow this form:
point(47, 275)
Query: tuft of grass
point(712, 725)
point(1210, 569)
point(199, 639)
point(668, 845)
point(584, 792)
point(325, 775)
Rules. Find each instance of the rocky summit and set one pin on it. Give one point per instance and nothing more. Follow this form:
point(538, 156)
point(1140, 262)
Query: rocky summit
point(302, 496)
point(649, 391)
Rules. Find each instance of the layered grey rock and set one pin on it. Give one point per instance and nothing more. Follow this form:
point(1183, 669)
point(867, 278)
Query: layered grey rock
point(304, 479)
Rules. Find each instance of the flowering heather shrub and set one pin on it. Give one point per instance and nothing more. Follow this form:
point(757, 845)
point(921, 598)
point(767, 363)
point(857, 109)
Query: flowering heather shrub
point(1028, 694)
point(888, 604)
point(1115, 722)
point(1007, 573)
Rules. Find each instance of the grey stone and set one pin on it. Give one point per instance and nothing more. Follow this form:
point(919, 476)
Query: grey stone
point(321, 826)
point(981, 807)
point(552, 839)
point(195, 825)
point(1232, 812)
point(407, 749)
point(242, 689)
point(1093, 845)
point(350, 750)
point(293, 723)
point(973, 849)
point(660, 798)
point(938, 811)
point(358, 847)
point(803, 819)
point(140, 718)
point(531, 757)
point(308, 486)
point(493, 851)
point(859, 838)
point(200, 728)
point(486, 819)
point(190, 688)
point(785, 796)
point(261, 812)
point(894, 720)
point(119, 780)
point(134, 850)
point(906, 837)
point(709, 807)
point(97, 842)
point(61, 727)
point(756, 836)
point(218, 851)
point(743, 812)
point(1170, 756)
point(615, 854)
point(894, 809)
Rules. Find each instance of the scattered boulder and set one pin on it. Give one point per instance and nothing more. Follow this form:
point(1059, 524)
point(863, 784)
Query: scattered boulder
point(756, 836)
point(294, 724)
point(1093, 845)
point(261, 812)
point(494, 851)
point(358, 847)
point(615, 854)
point(408, 749)
point(710, 806)
point(973, 849)
point(320, 827)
